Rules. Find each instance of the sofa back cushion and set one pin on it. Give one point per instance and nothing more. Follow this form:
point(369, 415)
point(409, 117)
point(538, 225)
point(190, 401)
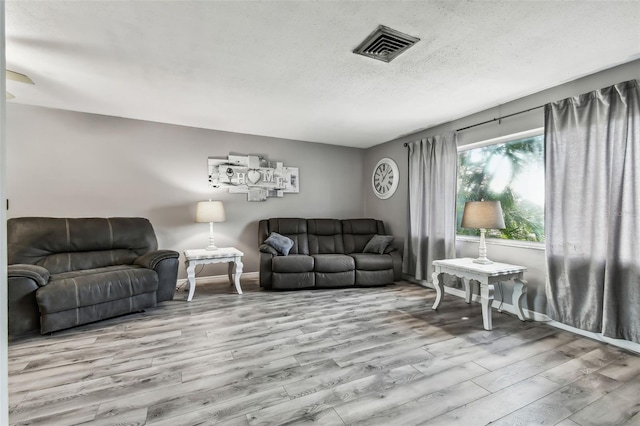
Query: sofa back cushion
point(325, 236)
point(357, 233)
point(294, 228)
point(66, 244)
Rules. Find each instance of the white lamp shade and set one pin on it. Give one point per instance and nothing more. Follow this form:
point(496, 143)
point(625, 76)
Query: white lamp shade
point(210, 211)
point(483, 215)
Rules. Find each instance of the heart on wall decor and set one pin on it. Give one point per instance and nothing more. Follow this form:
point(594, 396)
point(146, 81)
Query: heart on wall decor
point(254, 176)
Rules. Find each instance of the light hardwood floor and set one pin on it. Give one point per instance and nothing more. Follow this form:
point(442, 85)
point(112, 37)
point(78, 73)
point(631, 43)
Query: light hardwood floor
point(329, 357)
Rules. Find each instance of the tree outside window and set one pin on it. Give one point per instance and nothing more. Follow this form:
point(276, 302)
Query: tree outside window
point(512, 173)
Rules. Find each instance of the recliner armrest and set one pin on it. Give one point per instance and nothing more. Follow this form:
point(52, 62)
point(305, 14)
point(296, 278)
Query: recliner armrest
point(150, 260)
point(266, 248)
point(266, 270)
point(37, 273)
point(389, 249)
point(397, 264)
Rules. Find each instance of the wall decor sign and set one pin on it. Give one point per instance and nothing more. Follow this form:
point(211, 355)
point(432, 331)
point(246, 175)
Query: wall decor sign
point(253, 175)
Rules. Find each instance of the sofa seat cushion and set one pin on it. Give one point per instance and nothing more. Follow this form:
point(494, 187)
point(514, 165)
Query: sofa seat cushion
point(369, 278)
point(292, 264)
point(89, 287)
point(333, 263)
point(372, 262)
point(335, 279)
point(293, 280)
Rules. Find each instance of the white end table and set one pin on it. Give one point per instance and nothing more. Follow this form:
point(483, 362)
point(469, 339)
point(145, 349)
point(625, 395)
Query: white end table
point(486, 275)
point(230, 255)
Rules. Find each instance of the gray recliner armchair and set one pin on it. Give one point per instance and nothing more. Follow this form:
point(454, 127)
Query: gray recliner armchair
point(65, 272)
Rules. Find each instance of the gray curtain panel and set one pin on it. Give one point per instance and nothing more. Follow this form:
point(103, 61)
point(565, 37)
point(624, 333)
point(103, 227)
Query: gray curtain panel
point(431, 224)
point(592, 217)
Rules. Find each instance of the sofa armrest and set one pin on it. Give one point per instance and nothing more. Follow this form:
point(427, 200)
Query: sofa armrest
point(397, 264)
point(22, 284)
point(37, 273)
point(266, 271)
point(153, 258)
point(389, 249)
point(266, 248)
point(165, 263)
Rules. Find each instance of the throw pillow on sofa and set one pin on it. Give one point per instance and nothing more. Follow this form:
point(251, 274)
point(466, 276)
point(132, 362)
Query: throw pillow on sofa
point(378, 244)
point(279, 242)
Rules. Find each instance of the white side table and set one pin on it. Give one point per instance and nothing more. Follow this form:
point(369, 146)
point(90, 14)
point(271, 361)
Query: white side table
point(230, 255)
point(486, 275)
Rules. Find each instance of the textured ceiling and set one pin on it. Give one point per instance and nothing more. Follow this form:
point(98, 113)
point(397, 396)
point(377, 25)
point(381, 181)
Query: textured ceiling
point(286, 68)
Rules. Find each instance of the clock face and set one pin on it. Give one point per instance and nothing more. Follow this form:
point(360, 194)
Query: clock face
point(385, 178)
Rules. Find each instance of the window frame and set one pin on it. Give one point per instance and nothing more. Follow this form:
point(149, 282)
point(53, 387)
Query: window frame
point(534, 245)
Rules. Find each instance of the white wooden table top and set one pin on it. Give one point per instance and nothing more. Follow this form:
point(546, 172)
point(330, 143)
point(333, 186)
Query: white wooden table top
point(467, 264)
point(212, 254)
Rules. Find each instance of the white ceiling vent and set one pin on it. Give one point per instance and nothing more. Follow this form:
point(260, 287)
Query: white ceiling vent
point(384, 44)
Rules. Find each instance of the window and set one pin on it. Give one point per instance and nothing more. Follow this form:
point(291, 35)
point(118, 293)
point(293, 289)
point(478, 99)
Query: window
point(511, 172)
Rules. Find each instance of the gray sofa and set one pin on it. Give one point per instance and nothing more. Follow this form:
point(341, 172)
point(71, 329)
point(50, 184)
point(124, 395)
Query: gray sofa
point(326, 253)
point(65, 272)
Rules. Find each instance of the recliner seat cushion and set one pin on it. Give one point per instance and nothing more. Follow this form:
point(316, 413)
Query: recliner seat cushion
point(293, 280)
point(77, 289)
point(333, 263)
point(292, 264)
point(335, 279)
point(372, 262)
point(86, 314)
point(368, 278)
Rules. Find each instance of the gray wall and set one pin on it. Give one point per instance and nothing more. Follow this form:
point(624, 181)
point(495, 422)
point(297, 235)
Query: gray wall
point(63, 163)
point(393, 211)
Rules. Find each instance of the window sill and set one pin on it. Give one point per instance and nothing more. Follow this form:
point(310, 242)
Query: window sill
point(500, 242)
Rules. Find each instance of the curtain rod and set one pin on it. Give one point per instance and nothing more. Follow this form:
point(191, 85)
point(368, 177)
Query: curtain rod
point(492, 120)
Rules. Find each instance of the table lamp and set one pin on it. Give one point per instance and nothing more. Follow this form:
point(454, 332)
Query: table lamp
point(210, 211)
point(483, 215)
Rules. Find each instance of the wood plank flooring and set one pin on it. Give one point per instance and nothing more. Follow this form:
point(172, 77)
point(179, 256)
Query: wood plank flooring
point(372, 356)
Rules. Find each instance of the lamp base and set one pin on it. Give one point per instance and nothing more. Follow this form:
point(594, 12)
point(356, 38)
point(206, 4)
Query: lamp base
point(211, 246)
point(482, 251)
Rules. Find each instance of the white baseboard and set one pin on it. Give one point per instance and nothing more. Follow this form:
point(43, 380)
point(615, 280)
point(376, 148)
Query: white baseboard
point(624, 344)
point(537, 316)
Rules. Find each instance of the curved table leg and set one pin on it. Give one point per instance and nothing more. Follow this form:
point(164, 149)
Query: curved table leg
point(519, 290)
point(439, 286)
point(191, 279)
point(230, 268)
point(468, 289)
point(486, 296)
point(238, 272)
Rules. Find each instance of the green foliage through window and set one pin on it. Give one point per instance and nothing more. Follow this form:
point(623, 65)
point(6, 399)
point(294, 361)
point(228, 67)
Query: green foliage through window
point(512, 173)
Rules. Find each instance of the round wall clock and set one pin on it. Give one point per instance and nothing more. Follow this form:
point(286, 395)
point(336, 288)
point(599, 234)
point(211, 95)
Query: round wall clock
point(384, 179)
